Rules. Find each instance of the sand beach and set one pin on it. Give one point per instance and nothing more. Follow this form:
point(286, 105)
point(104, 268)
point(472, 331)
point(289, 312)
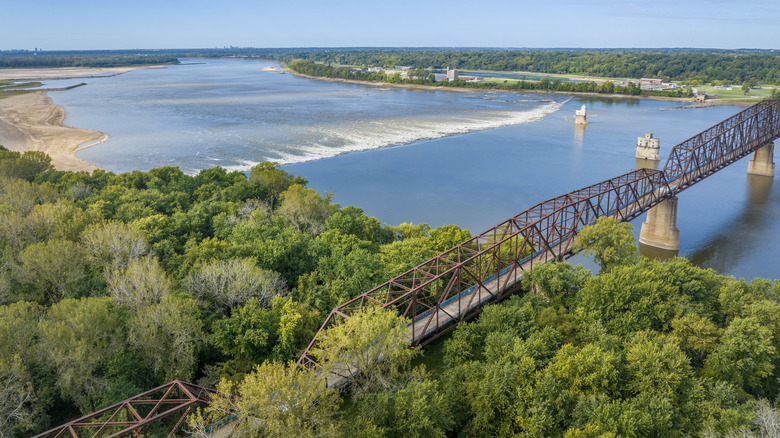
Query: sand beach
point(30, 122)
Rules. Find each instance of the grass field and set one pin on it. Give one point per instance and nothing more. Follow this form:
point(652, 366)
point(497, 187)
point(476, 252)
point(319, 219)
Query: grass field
point(736, 93)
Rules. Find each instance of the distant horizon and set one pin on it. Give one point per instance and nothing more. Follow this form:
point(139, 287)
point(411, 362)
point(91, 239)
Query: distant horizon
point(154, 24)
point(163, 49)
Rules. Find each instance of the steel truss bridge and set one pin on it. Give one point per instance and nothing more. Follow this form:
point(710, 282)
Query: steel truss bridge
point(454, 286)
point(171, 402)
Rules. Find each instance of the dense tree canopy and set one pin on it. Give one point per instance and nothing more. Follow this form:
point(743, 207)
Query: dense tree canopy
point(111, 284)
point(184, 277)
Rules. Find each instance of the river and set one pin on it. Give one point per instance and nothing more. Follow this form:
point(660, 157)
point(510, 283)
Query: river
point(468, 158)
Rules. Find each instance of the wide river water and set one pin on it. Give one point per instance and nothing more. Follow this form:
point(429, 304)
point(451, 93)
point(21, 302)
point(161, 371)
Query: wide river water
point(468, 158)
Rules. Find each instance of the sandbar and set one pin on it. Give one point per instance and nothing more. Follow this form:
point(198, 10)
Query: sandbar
point(67, 72)
point(30, 122)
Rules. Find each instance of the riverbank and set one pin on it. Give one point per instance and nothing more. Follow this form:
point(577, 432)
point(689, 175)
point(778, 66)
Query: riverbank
point(481, 90)
point(692, 103)
point(32, 74)
point(30, 122)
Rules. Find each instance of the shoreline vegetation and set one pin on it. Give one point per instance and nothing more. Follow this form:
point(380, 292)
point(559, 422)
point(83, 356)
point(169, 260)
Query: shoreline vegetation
point(475, 89)
point(587, 87)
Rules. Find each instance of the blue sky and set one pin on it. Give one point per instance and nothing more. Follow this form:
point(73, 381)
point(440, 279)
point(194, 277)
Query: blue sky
point(108, 24)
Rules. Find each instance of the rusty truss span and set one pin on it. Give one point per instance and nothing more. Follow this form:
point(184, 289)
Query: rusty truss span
point(172, 402)
point(454, 285)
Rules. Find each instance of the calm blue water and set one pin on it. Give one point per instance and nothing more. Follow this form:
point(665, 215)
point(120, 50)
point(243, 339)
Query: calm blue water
point(468, 158)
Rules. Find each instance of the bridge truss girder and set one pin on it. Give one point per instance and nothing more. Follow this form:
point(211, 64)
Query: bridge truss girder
point(426, 293)
point(174, 400)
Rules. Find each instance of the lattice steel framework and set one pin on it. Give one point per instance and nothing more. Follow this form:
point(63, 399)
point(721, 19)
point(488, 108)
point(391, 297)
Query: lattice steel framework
point(709, 151)
point(172, 401)
point(454, 285)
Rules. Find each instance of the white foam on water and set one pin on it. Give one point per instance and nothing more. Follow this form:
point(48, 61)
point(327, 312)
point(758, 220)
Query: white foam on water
point(377, 134)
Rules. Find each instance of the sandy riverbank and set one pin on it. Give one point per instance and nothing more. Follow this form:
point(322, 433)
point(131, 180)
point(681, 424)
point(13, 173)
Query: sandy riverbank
point(29, 122)
point(66, 72)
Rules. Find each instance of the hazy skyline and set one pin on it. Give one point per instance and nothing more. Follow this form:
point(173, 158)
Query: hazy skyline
point(147, 24)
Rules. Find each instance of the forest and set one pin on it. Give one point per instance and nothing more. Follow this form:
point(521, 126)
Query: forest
point(423, 77)
point(111, 284)
point(680, 65)
point(686, 65)
point(24, 59)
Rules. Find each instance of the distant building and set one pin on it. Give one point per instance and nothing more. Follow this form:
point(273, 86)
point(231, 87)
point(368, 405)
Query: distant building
point(581, 116)
point(650, 81)
point(701, 96)
point(452, 74)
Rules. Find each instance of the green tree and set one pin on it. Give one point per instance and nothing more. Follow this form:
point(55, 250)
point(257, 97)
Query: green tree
point(22, 399)
point(560, 282)
point(54, 269)
point(402, 255)
point(78, 337)
point(447, 236)
point(20, 196)
point(113, 244)
point(345, 267)
point(274, 180)
point(587, 370)
point(419, 410)
point(223, 285)
point(26, 166)
point(252, 334)
point(141, 284)
point(169, 335)
point(276, 400)
point(745, 356)
point(631, 298)
point(352, 220)
point(247, 334)
point(367, 351)
point(610, 242)
point(16, 398)
point(305, 208)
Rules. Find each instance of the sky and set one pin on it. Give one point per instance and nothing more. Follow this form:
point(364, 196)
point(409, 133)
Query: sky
point(158, 24)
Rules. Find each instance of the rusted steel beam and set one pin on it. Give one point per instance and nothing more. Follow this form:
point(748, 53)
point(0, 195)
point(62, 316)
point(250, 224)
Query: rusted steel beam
point(547, 230)
point(166, 400)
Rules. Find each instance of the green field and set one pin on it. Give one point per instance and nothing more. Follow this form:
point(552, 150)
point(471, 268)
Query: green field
point(736, 93)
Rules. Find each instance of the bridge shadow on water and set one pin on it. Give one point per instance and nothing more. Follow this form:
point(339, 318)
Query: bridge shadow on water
point(741, 234)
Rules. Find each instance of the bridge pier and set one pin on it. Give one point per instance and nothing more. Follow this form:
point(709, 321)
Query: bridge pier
point(761, 163)
point(660, 229)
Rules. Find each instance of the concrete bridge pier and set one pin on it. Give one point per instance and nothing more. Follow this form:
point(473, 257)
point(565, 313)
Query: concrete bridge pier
point(761, 163)
point(660, 229)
